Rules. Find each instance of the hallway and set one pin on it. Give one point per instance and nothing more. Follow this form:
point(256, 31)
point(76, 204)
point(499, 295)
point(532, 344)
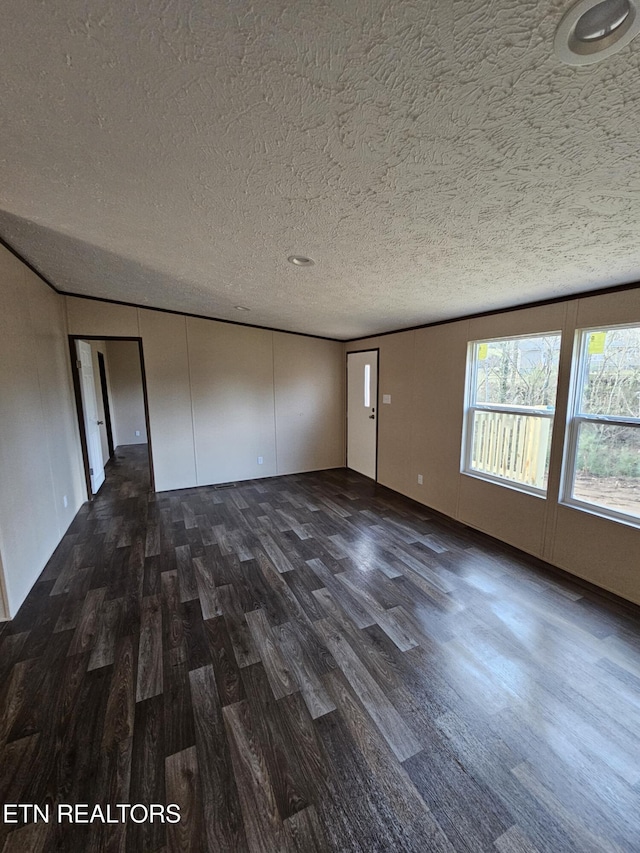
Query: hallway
point(312, 662)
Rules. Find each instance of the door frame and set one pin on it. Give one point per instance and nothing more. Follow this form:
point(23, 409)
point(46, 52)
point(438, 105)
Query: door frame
point(79, 408)
point(105, 403)
point(346, 404)
point(4, 598)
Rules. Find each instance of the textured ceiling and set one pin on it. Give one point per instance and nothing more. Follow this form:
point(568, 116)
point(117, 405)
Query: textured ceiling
point(433, 157)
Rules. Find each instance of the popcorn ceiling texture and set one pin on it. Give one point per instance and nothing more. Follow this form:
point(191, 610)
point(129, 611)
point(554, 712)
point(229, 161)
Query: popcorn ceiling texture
point(433, 157)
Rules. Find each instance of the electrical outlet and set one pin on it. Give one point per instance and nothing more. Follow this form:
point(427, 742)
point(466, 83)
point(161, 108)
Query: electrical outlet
point(260, 460)
point(138, 433)
point(386, 398)
point(65, 501)
point(419, 479)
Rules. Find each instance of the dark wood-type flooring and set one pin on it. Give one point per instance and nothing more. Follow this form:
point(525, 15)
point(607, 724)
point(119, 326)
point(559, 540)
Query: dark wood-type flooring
point(313, 663)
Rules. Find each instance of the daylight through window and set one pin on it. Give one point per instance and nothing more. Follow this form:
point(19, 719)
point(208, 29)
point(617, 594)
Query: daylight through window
point(602, 469)
point(511, 397)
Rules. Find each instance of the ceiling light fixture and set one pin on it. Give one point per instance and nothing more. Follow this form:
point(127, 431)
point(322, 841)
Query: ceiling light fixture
point(592, 30)
point(300, 261)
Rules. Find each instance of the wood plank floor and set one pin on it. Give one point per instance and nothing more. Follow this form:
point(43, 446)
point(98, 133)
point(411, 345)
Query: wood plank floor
point(313, 663)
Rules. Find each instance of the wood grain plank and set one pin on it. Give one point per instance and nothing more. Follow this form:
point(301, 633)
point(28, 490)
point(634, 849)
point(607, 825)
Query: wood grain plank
point(304, 832)
point(150, 670)
point(172, 620)
point(31, 838)
point(514, 841)
point(405, 801)
point(281, 681)
point(275, 553)
point(206, 590)
point(223, 824)
point(119, 717)
point(85, 634)
point(262, 821)
point(109, 620)
point(312, 689)
point(148, 773)
point(244, 647)
point(393, 621)
point(356, 612)
point(188, 586)
point(183, 789)
point(225, 666)
point(382, 712)
point(293, 791)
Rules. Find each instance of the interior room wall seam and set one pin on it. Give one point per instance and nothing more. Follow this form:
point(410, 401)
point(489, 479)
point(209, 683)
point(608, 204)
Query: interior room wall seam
point(413, 427)
point(193, 417)
point(273, 385)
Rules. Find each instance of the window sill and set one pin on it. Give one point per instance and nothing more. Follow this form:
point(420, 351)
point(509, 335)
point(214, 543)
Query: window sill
point(602, 512)
point(507, 484)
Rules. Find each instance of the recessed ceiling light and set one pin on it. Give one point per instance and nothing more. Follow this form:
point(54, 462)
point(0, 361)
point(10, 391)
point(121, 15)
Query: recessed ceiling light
point(300, 261)
point(242, 308)
point(593, 30)
point(602, 20)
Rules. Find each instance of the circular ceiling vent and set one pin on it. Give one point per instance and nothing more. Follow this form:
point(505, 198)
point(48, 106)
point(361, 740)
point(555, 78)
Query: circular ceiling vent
point(593, 30)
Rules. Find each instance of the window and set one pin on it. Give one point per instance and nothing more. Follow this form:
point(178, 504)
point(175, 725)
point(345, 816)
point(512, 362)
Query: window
point(602, 468)
point(511, 398)
point(367, 385)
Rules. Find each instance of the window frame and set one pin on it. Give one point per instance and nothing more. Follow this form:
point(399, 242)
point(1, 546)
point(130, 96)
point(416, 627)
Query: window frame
point(574, 420)
point(471, 407)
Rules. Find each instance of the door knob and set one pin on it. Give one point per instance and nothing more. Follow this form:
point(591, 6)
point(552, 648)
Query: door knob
point(372, 417)
point(99, 422)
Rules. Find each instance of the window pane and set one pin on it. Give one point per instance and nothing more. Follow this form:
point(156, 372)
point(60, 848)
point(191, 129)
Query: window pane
point(518, 372)
point(612, 373)
point(367, 385)
point(608, 467)
point(515, 447)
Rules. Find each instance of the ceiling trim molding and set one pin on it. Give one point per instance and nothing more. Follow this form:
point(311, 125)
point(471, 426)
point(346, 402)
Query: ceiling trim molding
point(601, 291)
point(49, 283)
point(28, 264)
point(199, 316)
point(584, 294)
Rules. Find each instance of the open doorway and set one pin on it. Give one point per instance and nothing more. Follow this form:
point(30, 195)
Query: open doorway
point(111, 399)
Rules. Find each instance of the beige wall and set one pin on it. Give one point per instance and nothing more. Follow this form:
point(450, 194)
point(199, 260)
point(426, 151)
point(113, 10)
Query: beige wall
point(308, 394)
point(420, 432)
point(222, 395)
point(166, 362)
point(40, 456)
point(127, 398)
point(212, 385)
point(232, 395)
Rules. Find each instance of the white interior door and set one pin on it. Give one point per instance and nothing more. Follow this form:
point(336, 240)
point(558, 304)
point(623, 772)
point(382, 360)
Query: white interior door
point(362, 411)
point(90, 411)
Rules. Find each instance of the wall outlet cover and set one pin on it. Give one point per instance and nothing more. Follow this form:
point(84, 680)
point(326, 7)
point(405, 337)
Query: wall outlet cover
point(386, 398)
point(419, 479)
point(260, 460)
point(137, 432)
